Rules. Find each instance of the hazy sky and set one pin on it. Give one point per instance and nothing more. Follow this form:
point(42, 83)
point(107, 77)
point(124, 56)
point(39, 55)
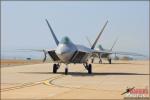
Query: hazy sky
point(23, 24)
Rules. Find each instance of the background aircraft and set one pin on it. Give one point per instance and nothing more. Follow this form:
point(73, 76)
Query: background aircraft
point(106, 53)
point(102, 55)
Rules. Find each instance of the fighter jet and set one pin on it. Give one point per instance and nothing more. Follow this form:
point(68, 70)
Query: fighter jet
point(106, 53)
point(67, 52)
point(103, 55)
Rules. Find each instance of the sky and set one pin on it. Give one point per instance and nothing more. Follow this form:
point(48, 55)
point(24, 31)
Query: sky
point(23, 24)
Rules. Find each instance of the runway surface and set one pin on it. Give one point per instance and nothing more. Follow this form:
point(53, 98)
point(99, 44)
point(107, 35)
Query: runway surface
point(108, 81)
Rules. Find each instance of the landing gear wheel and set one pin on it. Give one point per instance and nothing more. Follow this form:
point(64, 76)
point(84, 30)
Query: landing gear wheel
point(55, 68)
point(109, 61)
point(89, 69)
point(66, 71)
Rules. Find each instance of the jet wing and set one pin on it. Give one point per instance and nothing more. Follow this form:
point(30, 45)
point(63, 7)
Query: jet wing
point(51, 53)
point(97, 52)
point(127, 53)
point(34, 50)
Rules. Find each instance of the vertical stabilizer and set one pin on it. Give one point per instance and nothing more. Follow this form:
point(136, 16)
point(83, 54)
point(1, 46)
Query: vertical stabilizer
point(93, 46)
point(113, 44)
point(89, 41)
point(100, 47)
point(53, 34)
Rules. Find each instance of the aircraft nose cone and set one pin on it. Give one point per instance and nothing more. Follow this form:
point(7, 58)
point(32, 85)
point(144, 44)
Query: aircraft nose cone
point(63, 50)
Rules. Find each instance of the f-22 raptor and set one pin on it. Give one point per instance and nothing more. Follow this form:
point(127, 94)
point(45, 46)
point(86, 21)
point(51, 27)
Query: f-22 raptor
point(67, 52)
point(106, 53)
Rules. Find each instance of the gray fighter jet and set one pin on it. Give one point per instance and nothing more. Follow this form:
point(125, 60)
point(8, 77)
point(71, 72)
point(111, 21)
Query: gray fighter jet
point(103, 55)
point(106, 53)
point(67, 52)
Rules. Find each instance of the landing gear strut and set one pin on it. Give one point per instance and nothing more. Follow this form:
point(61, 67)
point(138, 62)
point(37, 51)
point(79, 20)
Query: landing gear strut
point(89, 68)
point(100, 60)
point(55, 67)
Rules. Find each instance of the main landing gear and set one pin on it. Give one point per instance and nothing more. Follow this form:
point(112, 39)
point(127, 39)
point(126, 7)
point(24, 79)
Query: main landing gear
point(88, 67)
point(55, 68)
point(66, 70)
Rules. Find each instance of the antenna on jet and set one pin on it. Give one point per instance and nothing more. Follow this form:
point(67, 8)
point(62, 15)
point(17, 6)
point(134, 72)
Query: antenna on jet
point(53, 34)
point(93, 46)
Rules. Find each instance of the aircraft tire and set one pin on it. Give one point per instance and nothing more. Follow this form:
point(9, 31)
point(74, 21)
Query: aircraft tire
point(54, 68)
point(66, 71)
point(89, 69)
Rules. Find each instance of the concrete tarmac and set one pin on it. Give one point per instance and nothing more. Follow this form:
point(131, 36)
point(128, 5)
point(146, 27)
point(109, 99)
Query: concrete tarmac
point(108, 81)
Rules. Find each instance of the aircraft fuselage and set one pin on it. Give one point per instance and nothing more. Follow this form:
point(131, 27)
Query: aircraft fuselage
point(68, 52)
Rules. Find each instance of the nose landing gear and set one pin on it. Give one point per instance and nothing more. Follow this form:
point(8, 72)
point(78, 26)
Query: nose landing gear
point(56, 67)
